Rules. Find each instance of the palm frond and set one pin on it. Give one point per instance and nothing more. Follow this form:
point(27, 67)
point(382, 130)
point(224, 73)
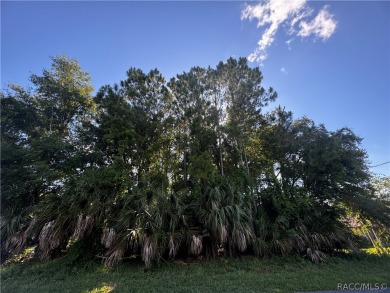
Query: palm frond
point(239, 240)
point(223, 234)
point(15, 243)
point(174, 244)
point(148, 251)
point(108, 237)
point(83, 227)
point(114, 256)
point(196, 245)
point(315, 256)
point(50, 238)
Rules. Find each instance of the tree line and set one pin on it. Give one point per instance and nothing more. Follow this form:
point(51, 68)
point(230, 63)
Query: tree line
point(193, 166)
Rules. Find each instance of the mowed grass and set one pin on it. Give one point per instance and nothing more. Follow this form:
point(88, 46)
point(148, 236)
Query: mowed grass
point(244, 274)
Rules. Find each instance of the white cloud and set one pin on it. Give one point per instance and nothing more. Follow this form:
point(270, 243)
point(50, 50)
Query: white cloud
point(304, 13)
point(283, 70)
point(288, 42)
point(273, 13)
point(322, 25)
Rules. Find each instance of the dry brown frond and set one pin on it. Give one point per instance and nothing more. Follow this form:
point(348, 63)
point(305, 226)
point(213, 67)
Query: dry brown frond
point(239, 240)
point(172, 248)
point(30, 229)
point(196, 245)
point(315, 256)
point(320, 240)
point(88, 224)
point(44, 244)
point(173, 245)
point(299, 244)
point(114, 257)
point(78, 231)
point(303, 232)
point(49, 239)
point(15, 243)
point(84, 226)
point(148, 251)
point(108, 237)
point(223, 234)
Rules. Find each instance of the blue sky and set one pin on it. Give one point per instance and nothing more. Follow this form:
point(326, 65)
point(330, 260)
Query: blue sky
point(332, 64)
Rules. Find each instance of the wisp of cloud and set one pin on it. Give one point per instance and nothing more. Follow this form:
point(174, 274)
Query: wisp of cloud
point(298, 17)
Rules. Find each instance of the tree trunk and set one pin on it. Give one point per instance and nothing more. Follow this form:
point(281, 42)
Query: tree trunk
point(185, 161)
point(246, 161)
point(220, 155)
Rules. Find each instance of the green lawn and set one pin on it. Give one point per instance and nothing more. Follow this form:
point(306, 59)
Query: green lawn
point(246, 274)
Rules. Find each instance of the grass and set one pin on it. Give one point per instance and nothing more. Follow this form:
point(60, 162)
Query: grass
point(245, 274)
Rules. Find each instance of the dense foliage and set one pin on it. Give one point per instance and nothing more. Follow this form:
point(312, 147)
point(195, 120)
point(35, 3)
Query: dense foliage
point(193, 166)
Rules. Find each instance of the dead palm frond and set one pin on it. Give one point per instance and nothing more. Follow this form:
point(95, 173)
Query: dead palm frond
point(108, 237)
point(239, 240)
point(50, 238)
point(242, 237)
point(148, 251)
point(223, 234)
point(114, 256)
point(173, 244)
point(44, 244)
point(315, 256)
point(29, 232)
point(319, 240)
point(196, 245)
point(83, 227)
point(15, 243)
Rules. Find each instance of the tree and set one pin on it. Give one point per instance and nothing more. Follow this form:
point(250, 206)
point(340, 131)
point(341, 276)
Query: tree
point(38, 124)
point(191, 120)
point(64, 93)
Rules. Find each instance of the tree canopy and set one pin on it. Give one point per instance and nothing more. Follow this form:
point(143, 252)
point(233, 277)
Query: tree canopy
point(192, 166)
